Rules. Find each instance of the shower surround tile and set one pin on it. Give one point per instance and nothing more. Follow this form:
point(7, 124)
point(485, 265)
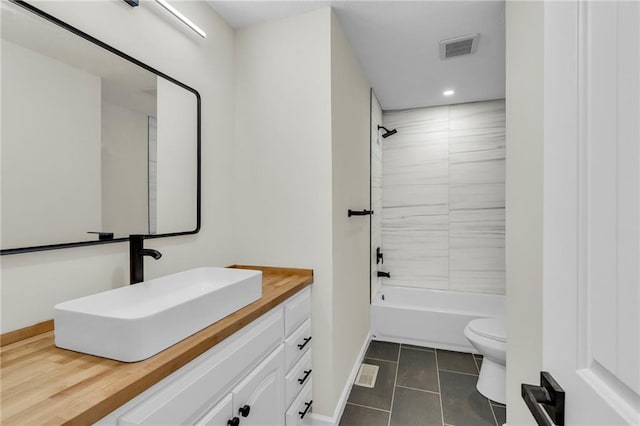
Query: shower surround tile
point(430, 199)
point(415, 201)
point(476, 250)
point(443, 197)
point(423, 161)
point(488, 143)
point(376, 189)
point(416, 247)
point(477, 172)
point(476, 196)
point(478, 115)
point(418, 121)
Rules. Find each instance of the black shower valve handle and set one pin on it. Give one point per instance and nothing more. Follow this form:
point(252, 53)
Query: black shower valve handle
point(364, 212)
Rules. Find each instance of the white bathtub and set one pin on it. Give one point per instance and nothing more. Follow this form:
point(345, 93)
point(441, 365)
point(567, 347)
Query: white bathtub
point(433, 318)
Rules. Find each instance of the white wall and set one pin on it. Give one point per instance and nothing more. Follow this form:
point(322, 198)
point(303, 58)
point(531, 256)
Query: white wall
point(50, 150)
point(443, 197)
point(33, 283)
point(302, 160)
point(124, 171)
point(283, 164)
point(525, 88)
point(350, 121)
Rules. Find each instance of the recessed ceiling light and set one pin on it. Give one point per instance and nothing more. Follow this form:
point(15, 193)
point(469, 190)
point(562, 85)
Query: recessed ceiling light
point(448, 92)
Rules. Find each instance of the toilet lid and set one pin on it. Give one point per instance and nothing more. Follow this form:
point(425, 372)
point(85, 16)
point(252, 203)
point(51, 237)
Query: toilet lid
point(491, 328)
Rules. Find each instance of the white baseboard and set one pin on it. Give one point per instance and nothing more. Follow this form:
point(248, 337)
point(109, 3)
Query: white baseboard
point(319, 419)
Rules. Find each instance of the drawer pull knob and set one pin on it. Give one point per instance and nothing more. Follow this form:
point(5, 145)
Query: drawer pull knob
point(244, 410)
point(306, 410)
point(306, 376)
point(234, 421)
point(306, 340)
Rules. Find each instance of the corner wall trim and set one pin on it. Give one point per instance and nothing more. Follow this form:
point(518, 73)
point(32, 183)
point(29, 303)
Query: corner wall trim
point(319, 419)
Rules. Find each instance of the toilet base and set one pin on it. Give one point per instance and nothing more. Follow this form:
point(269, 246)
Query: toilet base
point(492, 381)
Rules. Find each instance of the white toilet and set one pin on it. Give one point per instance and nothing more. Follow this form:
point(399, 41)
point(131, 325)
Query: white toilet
point(488, 336)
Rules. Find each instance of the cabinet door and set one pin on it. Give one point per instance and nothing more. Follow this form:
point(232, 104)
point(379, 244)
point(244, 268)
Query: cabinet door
point(259, 398)
point(219, 415)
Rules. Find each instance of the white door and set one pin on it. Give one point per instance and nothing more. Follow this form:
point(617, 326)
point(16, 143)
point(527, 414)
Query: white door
point(591, 294)
point(259, 399)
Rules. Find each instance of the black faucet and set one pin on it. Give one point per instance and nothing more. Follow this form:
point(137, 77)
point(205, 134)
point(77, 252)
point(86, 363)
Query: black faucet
point(136, 257)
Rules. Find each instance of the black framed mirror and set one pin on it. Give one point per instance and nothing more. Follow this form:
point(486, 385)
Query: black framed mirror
point(96, 145)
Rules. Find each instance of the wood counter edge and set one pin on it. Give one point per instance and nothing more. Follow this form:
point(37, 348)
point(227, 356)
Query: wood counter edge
point(180, 354)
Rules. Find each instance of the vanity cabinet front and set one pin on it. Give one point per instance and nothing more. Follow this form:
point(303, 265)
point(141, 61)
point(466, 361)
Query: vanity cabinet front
point(220, 415)
point(259, 399)
point(257, 376)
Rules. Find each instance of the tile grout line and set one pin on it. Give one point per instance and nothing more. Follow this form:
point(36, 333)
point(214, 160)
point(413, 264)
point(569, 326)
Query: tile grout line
point(458, 372)
point(416, 389)
point(448, 207)
point(395, 381)
point(378, 359)
point(439, 388)
point(495, 419)
point(416, 348)
point(366, 406)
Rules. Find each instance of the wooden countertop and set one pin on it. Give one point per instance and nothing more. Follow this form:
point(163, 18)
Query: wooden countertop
point(42, 384)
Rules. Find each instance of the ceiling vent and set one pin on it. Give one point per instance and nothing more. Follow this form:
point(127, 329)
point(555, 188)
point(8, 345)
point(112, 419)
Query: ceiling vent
point(458, 46)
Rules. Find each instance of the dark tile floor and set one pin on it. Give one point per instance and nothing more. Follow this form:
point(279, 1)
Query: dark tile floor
point(421, 386)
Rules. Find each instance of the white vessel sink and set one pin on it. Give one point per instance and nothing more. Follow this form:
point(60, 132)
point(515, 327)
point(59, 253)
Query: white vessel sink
point(135, 322)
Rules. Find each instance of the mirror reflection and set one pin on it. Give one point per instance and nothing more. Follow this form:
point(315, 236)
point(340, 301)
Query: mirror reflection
point(93, 145)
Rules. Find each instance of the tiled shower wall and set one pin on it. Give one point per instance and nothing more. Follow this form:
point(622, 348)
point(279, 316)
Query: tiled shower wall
point(376, 190)
point(443, 197)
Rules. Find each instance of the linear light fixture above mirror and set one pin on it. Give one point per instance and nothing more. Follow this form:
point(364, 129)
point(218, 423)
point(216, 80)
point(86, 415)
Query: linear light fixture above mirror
point(181, 17)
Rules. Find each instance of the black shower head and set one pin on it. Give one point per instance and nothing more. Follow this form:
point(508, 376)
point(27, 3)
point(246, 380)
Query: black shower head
point(387, 132)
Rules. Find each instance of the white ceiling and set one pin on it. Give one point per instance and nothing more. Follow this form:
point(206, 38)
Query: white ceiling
point(397, 44)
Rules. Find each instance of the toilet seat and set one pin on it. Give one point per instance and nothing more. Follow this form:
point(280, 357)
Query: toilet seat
point(491, 328)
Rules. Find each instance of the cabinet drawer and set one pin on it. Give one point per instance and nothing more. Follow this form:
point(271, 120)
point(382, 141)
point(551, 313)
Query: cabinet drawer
point(191, 390)
point(219, 415)
point(297, 310)
point(299, 413)
point(297, 344)
point(299, 375)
